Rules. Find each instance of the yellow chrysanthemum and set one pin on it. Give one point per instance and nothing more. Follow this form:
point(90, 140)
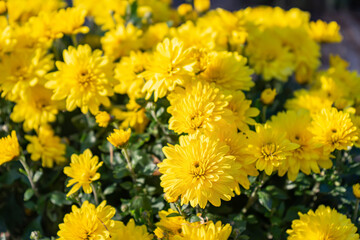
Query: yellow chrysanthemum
point(227, 70)
point(269, 148)
point(268, 95)
point(206, 231)
point(310, 101)
point(85, 79)
point(82, 171)
point(241, 110)
point(309, 155)
point(202, 5)
point(88, 222)
point(355, 119)
point(333, 129)
point(70, 21)
point(21, 70)
point(121, 40)
point(169, 66)
point(197, 108)
point(119, 137)
point(324, 223)
point(153, 35)
point(269, 57)
point(168, 226)
point(321, 31)
point(131, 231)
point(199, 170)
point(127, 73)
point(46, 147)
point(9, 148)
point(356, 190)
point(103, 119)
point(37, 109)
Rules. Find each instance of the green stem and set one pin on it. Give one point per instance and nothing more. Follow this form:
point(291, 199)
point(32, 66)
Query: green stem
point(29, 175)
point(95, 194)
point(74, 40)
point(356, 210)
point(263, 114)
point(126, 155)
point(253, 197)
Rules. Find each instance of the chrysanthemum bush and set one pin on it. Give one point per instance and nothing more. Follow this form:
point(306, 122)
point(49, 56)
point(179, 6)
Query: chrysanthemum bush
point(134, 120)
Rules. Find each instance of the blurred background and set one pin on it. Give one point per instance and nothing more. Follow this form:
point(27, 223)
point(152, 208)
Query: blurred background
point(345, 12)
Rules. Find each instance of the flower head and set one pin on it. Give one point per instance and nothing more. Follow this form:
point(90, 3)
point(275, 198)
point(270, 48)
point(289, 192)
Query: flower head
point(9, 148)
point(269, 148)
point(103, 119)
point(333, 129)
point(169, 66)
point(202, 5)
point(82, 171)
point(325, 32)
point(70, 21)
point(46, 147)
point(268, 95)
point(84, 79)
point(356, 190)
point(168, 226)
point(324, 223)
point(199, 170)
point(227, 70)
point(197, 107)
point(205, 231)
point(88, 222)
point(131, 231)
point(119, 138)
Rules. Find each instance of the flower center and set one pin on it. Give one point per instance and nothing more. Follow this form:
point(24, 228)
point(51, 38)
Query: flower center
point(85, 78)
point(269, 152)
point(197, 120)
point(197, 169)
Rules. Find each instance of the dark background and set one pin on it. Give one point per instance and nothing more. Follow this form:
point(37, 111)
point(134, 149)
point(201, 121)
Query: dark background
point(345, 12)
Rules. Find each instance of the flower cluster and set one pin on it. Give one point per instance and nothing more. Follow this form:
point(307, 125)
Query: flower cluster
point(168, 113)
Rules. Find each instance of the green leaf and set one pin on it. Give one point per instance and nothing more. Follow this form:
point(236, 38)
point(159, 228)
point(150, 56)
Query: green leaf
point(175, 214)
point(265, 200)
point(37, 175)
point(110, 189)
point(28, 194)
point(59, 199)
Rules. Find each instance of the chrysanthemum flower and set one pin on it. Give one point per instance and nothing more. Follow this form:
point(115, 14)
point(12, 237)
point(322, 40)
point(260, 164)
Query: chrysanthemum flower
point(309, 155)
point(70, 21)
point(9, 148)
point(127, 73)
point(333, 129)
point(206, 231)
point(84, 79)
point(202, 5)
point(46, 147)
point(169, 66)
point(130, 231)
point(310, 101)
point(241, 110)
point(268, 95)
point(21, 70)
point(6, 35)
point(198, 107)
point(168, 226)
point(121, 40)
point(269, 57)
point(119, 137)
point(82, 171)
point(269, 148)
point(325, 32)
point(134, 117)
point(88, 222)
point(228, 70)
point(324, 223)
point(199, 170)
point(103, 119)
point(36, 109)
